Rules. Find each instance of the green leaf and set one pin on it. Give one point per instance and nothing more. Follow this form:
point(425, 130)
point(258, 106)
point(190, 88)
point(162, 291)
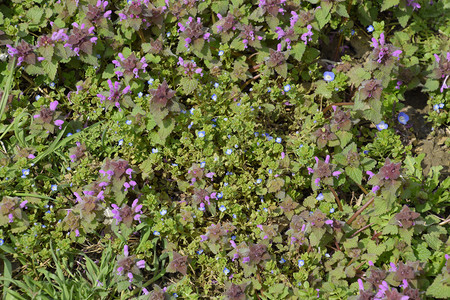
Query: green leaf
point(322, 89)
point(388, 4)
point(433, 241)
point(423, 254)
point(342, 10)
point(323, 15)
point(165, 130)
point(439, 288)
point(188, 84)
point(354, 173)
point(50, 68)
point(220, 7)
point(35, 14)
point(297, 51)
point(344, 137)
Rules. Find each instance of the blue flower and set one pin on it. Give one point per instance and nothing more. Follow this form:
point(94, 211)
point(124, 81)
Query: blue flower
point(155, 150)
point(221, 52)
point(216, 85)
point(370, 28)
point(328, 76)
point(199, 251)
point(382, 126)
point(229, 151)
point(259, 180)
point(140, 94)
point(278, 140)
point(436, 107)
point(120, 142)
point(226, 271)
point(222, 208)
point(282, 261)
point(403, 118)
point(168, 34)
point(219, 195)
point(269, 90)
point(151, 81)
point(320, 197)
point(54, 187)
point(156, 233)
point(287, 88)
point(25, 172)
point(163, 212)
point(236, 146)
point(201, 134)
point(37, 97)
point(69, 134)
point(128, 122)
point(202, 164)
point(214, 97)
point(52, 84)
point(331, 210)
point(301, 263)
point(441, 105)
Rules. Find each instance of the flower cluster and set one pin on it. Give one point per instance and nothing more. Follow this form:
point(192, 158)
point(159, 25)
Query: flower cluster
point(128, 265)
point(382, 52)
point(193, 31)
point(323, 173)
point(190, 67)
point(24, 52)
point(115, 93)
point(11, 208)
point(126, 214)
point(48, 117)
point(129, 67)
point(81, 39)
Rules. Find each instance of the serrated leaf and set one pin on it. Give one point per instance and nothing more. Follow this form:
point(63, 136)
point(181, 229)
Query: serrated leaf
point(423, 254)
point(433, 241)
point(322, 89)
point(220, 7)
point(354, 173)
point(50, 69)
point(323, 15)
point(342, 10)
point(237, 44)
point(47, 52)
point(344, 137)
point(35, 14)
point(388, 4)
point(297, 51)
point(439, 289)
point(188, 84)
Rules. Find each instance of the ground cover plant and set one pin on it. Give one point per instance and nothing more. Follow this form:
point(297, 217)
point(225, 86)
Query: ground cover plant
point(264, 149)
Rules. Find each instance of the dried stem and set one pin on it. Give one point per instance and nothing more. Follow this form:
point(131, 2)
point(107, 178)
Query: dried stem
point(336, 104)
point(337, 198)
point(361, 229)
point(359, 211)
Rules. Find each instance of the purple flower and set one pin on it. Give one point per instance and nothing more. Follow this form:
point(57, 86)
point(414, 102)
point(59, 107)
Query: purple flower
point(129, 67)
point(127, 214)
point(115, 94)
point(383, 52)
point(306, 37)
point(24, 53)
point(128, 265)
point(412, 3)
point(403, 118)
point(81, 39)
point(190, 67)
